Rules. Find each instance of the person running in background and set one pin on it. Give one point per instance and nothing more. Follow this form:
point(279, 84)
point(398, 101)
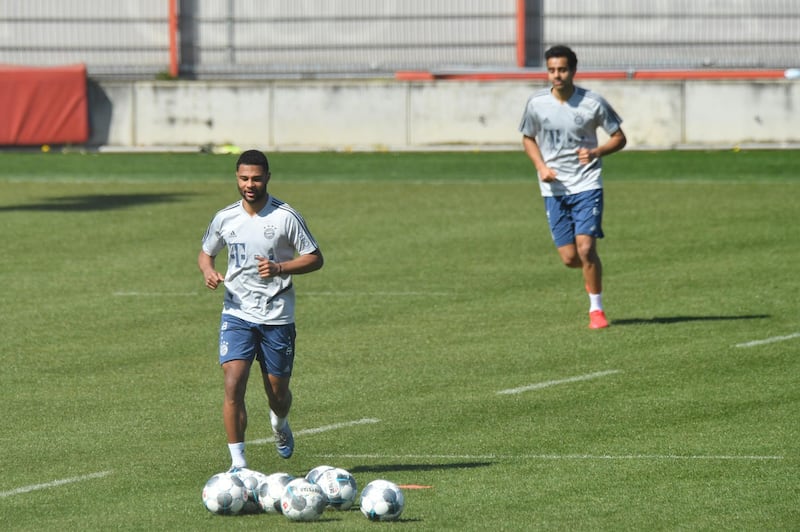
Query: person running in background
point(268, 242)
point(559, 128)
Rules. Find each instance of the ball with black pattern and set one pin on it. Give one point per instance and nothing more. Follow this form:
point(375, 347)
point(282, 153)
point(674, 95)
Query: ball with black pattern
point(382, 500)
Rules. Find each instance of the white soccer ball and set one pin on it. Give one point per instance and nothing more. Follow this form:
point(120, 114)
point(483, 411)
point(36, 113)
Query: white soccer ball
point(302, 500)
point(382, 500)
point(271, 490)
point(314, 474)
point(339, 488)
point(225, 494)
point(251, 480)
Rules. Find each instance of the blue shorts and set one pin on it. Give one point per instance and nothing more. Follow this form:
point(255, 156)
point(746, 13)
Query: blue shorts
point(575, 214)
point(271, 345)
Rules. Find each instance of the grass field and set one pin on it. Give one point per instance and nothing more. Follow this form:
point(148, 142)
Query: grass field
point(441, 289)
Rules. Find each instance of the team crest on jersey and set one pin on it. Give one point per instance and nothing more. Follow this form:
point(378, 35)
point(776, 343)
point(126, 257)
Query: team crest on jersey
point(579, 120)
point(269, 232)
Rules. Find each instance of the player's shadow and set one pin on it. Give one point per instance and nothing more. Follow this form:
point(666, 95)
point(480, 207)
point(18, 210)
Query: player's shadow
point(681, 319)
point(94, 202)
point(383, 468)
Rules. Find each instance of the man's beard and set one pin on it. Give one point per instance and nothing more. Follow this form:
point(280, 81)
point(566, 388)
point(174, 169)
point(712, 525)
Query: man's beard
point(259, 194)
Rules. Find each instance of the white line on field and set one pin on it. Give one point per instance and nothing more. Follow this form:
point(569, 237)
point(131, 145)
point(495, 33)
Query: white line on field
point(325, 428)
point(53, 484)
point(548, 457)
point(540, 385)
point(770, 340)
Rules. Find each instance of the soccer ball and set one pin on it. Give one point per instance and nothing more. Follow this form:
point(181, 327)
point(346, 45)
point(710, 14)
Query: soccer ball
point(302, 500)
point(251, 480)
point(314, 474)
point(382, 500)
point(271, 490)
point(224, 493)
point(339, 488)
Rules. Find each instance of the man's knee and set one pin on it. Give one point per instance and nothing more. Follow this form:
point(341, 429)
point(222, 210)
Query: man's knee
point(586, 250)
point(569, 256)
point(571, 259)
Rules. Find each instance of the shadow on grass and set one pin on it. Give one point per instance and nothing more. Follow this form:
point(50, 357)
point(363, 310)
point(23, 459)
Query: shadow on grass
point(94, 202)
point(382, 468)
point(330, 516)
point(681, 319)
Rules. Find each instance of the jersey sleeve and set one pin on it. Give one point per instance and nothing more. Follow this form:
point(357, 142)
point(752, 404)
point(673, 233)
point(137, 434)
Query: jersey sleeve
point(528, 125)
point(213, 242)
point(610, 121)
point(299, 235)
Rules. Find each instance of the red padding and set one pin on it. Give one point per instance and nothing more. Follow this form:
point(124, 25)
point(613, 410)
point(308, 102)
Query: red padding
point(413, 75)
point(43, 105)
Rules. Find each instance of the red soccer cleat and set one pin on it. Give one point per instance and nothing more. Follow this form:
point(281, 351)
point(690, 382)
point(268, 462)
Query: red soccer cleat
point(597, 320)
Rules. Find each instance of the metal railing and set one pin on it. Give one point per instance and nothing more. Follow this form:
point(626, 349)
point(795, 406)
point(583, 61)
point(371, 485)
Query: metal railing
point(251, 39)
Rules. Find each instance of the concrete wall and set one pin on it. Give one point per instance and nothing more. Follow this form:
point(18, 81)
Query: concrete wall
point(386, 114)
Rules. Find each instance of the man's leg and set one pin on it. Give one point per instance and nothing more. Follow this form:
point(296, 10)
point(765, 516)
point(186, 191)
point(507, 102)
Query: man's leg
point(280, 402)
point(569, 256)
point(234, 412)
point(593, 278)
point(278, 394)
point(589, 261)
point(276, 371)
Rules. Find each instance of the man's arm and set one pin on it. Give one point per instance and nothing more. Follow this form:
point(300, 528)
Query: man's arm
point(206, 264)
point(615, 143)
point(546, 173)
point(301, 264)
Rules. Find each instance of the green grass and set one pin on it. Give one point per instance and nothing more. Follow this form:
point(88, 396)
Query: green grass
point(441, 287)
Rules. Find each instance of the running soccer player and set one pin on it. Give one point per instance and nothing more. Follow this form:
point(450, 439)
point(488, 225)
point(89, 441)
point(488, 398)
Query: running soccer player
point(268, 242)
point(559, 128)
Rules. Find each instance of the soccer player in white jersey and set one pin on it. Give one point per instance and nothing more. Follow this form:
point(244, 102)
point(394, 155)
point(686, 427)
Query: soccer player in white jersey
point(559, 128)
point(268, 242)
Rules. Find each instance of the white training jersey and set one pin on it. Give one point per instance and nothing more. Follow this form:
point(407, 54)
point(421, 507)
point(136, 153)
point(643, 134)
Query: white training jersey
point(560, 129)
point(277, 232)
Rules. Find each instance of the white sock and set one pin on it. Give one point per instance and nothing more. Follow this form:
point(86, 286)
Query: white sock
point(278, 423)
point(237, 454)
point(595, 302)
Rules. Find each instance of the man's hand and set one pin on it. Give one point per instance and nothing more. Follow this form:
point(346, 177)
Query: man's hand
point(547, 174)
point(267, 268)
point(585, 155)
point(213, 279)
